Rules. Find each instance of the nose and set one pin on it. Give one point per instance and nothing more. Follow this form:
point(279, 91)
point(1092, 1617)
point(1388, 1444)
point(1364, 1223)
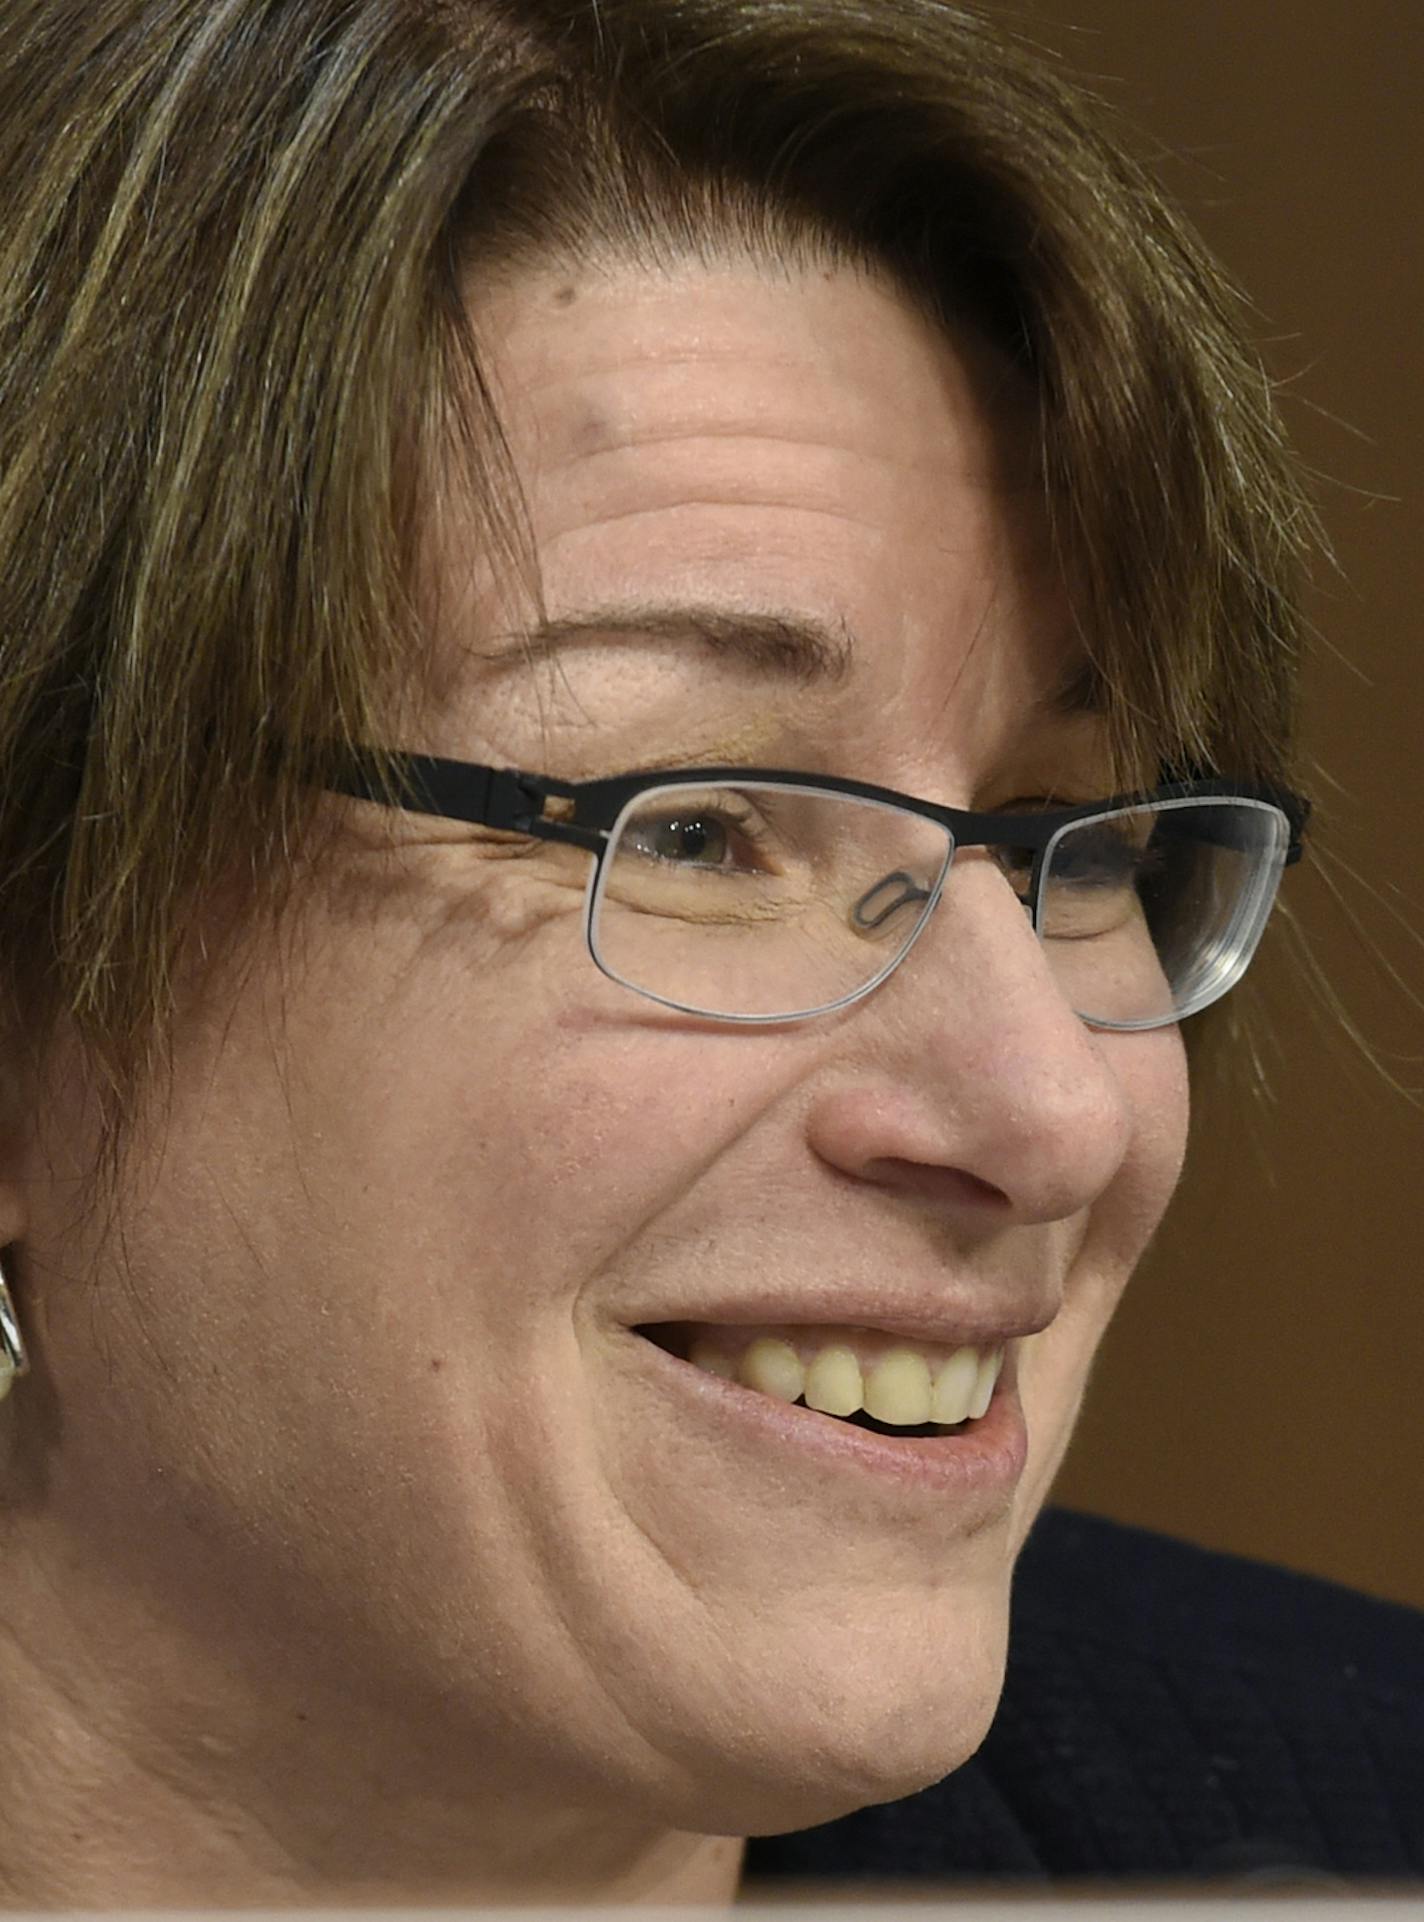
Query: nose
point(967, 1076)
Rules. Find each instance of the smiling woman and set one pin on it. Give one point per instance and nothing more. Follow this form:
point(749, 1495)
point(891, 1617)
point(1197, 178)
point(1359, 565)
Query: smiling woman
point(649, 662)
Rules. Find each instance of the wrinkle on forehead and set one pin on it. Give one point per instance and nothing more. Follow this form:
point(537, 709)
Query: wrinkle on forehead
point(683, 322)
point(812, 445)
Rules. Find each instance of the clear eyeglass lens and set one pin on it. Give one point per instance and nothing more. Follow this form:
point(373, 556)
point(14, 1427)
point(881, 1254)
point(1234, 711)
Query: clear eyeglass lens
point(778, 900)
point(762, 900)
point(1151, 913)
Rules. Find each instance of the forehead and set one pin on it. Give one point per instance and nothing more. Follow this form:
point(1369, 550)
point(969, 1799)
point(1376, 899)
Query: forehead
point(792, 483)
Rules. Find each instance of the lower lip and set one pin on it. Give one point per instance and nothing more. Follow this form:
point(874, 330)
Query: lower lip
point(986, 1459)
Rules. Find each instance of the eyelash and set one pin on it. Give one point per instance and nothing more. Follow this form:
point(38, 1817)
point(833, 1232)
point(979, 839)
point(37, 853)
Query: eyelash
point(743, 822)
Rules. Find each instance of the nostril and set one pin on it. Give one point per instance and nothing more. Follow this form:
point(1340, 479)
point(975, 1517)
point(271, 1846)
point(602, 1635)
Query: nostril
point(959, 1186)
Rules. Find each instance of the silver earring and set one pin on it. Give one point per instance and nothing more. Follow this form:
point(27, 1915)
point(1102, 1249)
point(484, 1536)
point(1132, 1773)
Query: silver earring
point(13, 1359)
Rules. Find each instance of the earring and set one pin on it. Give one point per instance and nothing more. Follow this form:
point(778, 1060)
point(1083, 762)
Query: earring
point(13, 1359)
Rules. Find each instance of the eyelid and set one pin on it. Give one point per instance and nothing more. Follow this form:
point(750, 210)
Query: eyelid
point(1038, 804)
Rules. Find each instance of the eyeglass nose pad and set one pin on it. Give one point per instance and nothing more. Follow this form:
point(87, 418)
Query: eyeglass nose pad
point(909, 894)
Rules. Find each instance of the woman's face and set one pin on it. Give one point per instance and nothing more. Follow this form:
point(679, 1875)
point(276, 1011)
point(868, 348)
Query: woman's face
point(399, 1517)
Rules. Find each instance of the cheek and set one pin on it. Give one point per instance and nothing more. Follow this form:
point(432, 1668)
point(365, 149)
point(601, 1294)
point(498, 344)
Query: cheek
point(1054, 1366)
point(1154, 1077)
point(1151, 1069)
point(609, 1128)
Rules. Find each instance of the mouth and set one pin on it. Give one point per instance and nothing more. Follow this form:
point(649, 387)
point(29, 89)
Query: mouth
point(856, 1377)
point(751, 1393)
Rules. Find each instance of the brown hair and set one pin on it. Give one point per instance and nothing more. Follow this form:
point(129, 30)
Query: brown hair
point(233, 353)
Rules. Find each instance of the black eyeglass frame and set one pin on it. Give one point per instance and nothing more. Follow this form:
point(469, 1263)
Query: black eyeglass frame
point(513, 801)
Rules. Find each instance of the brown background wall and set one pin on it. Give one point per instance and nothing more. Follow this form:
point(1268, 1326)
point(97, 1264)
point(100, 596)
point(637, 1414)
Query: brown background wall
point(1263, 1388)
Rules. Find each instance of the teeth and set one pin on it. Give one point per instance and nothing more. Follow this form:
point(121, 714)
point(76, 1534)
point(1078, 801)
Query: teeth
point(715, 1362)
point(772, 1367)
point(955, 1385)
point(903, 1387)
point(988, 1374)
point(833, 1382)
point(898, 1389)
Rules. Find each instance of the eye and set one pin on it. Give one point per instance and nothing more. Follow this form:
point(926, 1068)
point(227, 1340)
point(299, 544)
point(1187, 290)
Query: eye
point(1016, 863)
point(1111, 855)
point(718, 835)
point(1042, 803)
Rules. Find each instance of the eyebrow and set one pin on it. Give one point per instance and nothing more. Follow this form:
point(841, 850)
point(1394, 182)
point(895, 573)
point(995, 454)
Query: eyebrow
point(796, 648)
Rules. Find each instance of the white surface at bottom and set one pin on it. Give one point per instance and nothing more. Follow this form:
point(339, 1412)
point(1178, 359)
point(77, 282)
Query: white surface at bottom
point(1397, 1905)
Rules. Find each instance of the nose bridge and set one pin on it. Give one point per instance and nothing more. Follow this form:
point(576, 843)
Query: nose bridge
point(1038, 1111)
point(976, 903)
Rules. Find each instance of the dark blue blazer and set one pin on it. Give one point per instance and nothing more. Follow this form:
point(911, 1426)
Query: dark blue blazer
point(1167, 1713)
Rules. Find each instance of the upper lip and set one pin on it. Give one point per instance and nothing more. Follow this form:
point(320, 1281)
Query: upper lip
point(937, 1317)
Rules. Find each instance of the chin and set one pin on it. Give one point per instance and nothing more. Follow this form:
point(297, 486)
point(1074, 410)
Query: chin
point(828, 1774)
point(853, 1730)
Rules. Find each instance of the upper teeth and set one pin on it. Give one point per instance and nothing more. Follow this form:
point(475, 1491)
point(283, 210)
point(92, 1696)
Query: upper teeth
point(903, 1385)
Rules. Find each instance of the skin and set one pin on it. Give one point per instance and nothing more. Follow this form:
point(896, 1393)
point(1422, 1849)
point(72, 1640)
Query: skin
point(352, 1549)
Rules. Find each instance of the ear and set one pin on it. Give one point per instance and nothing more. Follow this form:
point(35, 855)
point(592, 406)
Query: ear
point(14, 1359)
point(14, 1192)
point(14, 1203)
point(44, 1117)
point(14, 1188)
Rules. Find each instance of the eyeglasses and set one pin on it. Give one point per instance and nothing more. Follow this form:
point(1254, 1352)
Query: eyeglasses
point(761, 894)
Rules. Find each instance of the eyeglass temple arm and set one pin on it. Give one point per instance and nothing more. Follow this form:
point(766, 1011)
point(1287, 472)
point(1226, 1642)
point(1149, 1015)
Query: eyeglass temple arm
point(1296, 815)
point(501, 798)
point(1295, 807)
point(1298, 821)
